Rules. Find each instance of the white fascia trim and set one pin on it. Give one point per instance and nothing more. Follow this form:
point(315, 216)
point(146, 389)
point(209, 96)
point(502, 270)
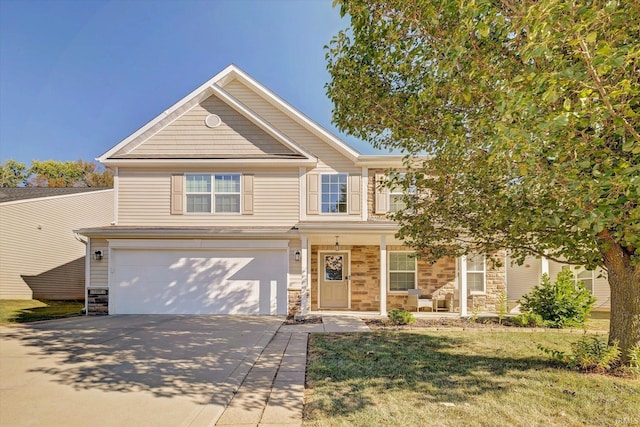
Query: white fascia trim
point(197, 244)
point(350, 228)
point(298, 116)
point(258, 121)
point(208, 162)
point(38, 199)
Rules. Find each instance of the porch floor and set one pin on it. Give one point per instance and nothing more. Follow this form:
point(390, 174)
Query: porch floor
point(376, 314)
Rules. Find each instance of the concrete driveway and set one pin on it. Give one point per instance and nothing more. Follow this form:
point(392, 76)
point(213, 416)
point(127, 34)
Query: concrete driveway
point(127, 370)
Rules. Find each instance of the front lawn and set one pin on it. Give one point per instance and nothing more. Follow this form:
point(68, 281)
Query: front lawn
point(454, 378)
point(23, 311)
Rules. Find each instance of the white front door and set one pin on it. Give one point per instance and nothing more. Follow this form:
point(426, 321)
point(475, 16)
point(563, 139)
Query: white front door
point(334, 279)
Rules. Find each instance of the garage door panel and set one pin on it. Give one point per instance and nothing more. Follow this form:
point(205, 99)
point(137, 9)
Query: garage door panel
point(198, 282)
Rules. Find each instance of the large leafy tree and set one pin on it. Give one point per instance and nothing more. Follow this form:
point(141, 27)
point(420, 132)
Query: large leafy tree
point(530, 111)
point(55, 173)
point(12, 173)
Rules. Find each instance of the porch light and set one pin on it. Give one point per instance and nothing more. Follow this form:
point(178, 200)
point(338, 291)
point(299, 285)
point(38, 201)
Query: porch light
point(296, 255)
point(97, 255)
point(337, 244)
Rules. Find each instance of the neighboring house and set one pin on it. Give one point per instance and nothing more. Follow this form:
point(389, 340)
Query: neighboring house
point(522, 278)
point(40, 257)
point(232, 201)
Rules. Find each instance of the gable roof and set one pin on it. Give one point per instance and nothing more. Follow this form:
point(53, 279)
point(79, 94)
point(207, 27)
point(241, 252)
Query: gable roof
point(215, 86)
point(12, 194)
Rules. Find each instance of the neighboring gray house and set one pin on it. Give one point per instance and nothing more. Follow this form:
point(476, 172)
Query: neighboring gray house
point(40, 256)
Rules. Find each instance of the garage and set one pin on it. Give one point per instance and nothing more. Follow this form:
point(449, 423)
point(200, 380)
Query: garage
point(198, 281)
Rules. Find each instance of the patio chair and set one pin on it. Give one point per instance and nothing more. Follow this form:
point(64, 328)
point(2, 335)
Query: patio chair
point(417, 300)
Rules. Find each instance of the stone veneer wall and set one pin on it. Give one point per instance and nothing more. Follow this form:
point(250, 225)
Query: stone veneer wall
point(295, 302)
point(98, 302)
point(496, 285)
point(365, 277)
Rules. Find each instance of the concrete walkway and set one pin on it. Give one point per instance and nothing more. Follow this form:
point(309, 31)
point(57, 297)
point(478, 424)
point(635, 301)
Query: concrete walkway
point(272, 393)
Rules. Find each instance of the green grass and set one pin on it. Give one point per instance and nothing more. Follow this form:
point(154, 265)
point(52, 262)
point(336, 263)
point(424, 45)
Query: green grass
point(447, 378)
point(24, 311)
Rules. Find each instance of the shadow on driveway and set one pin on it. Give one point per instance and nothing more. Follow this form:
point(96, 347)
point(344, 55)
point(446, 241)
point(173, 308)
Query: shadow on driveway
point(200, 359)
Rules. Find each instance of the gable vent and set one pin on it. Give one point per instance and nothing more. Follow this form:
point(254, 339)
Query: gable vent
point(212, 121)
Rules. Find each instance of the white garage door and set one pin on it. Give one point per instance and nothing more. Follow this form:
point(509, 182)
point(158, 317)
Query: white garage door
point(200, 281)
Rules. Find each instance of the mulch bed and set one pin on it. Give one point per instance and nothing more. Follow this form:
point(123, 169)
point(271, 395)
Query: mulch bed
point(302, 320)
point(488, 323)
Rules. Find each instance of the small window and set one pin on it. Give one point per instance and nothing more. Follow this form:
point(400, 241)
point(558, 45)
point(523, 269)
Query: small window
point(334, 193)
point(221, 197)
point(476, 274)
point(396, 196)
point(584, 276)
point(402, 271)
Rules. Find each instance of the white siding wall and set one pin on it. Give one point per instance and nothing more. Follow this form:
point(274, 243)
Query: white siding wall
point(144, 200)
point(521, 279)
point(36, 238)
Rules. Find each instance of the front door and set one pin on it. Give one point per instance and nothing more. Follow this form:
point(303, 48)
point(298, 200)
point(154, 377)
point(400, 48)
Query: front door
point(334, 280)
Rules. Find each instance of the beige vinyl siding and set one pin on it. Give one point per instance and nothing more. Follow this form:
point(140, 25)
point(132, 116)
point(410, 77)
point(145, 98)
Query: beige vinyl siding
point(295, 267)
point(329, 159)
point(144, 199)
point(99, 275)
point(188, 135)
point(38, 247)
point(521, 278)
point(600, 285)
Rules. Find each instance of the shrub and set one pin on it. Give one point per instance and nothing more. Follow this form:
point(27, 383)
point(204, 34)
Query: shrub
point(399, 316)
point(561, 303)
point(525, 320)
point(594, 354)
point(634, 360)
point(590, 354)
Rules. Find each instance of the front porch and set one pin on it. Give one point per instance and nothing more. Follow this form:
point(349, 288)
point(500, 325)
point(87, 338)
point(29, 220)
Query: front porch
point(358, 268)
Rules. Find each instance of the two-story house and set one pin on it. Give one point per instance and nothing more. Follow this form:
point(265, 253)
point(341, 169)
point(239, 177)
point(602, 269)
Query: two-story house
point(232, 201)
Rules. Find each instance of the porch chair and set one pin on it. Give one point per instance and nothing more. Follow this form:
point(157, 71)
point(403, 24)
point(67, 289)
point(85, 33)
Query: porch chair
point(417, 300)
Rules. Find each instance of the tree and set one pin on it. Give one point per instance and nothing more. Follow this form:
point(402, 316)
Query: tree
point(12, 174)
point(530, 114)
point(55, 173)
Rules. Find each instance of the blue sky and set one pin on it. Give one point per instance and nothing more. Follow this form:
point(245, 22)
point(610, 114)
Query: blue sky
point(77, 77)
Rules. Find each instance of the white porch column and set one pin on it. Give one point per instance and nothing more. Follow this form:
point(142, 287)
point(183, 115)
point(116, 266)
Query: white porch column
point(544, 266)
point(383, 275)
point(463, 285)
point(304, 274)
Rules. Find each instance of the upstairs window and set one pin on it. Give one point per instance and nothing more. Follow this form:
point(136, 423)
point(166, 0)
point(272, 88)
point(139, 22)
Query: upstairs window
point(397, 194)
point(334, 193)
point(219, 193)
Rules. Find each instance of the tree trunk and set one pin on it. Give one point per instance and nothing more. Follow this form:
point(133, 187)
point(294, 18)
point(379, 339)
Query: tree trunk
point(624, 281)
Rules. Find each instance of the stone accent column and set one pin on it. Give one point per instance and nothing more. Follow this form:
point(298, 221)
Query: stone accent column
point(97, 302)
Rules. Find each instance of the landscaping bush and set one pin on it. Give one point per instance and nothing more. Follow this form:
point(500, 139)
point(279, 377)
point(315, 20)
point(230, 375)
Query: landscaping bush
point(590, 354)
point(527, 320)
point(561, 303)
point(399, 316)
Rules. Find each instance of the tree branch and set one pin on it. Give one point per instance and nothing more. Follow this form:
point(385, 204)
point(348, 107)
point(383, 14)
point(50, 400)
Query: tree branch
point(603, 93)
